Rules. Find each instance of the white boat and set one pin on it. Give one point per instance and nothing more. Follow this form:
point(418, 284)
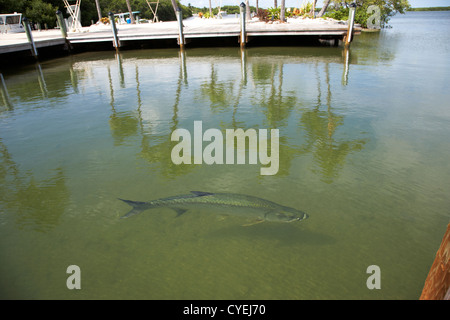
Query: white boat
point(123, 17)
point(11, 23)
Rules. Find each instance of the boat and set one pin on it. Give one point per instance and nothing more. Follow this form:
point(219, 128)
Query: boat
point(122, 17)
point(11, 23)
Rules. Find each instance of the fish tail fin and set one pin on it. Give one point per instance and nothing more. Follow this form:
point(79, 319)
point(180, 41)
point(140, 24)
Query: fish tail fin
point(138, 207)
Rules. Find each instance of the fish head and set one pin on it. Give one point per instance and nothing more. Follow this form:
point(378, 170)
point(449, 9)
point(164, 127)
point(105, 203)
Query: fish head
point(286, 214)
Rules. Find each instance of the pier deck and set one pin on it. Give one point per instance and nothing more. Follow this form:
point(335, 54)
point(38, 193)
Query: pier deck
point(193, 28)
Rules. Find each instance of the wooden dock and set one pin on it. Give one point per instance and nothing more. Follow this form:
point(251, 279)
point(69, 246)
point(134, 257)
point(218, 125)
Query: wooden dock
point(194, 29)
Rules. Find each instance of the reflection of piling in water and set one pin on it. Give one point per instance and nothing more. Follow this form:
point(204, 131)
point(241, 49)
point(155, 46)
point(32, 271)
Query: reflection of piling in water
point(120, 66)
point(346, 54)
point(4, 92)
point(244, 66)
point(183, 66)
point(111, 89)
point(73, 78)
point(266, 79)
point(41, 81)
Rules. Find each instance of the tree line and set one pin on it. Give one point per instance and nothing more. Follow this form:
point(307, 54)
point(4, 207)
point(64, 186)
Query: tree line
point(339, 10)
point(43, 11)
point(431, 9)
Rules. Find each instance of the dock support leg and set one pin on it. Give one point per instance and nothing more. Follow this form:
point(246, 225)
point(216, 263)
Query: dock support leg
point(116, 41)
point(242, 20)
point(27, 28)
point(351, 21)
point(61, 23)
point(63, 28)
point(180, 28)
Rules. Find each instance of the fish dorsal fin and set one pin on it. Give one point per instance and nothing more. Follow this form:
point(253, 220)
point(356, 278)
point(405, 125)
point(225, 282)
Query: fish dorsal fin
point(201, 193)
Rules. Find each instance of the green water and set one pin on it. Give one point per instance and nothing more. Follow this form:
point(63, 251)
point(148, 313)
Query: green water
point(364, 150)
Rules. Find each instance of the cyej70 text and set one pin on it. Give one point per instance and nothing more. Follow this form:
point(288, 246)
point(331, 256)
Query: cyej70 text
point(213, 153)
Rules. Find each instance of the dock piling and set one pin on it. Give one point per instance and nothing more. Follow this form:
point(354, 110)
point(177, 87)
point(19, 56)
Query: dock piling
point(180, 28)
point(116, 41)
point(26, 25)
point(63, 28)
point(61, 23)
point(242, 20)
point(351, 21)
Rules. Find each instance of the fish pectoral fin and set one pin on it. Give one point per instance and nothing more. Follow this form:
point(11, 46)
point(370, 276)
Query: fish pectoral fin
point(253, 222)
point(179, 211)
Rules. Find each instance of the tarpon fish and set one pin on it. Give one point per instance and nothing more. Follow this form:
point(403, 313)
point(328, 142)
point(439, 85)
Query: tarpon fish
point(250, 207)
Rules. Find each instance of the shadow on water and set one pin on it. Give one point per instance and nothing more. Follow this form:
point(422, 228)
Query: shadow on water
point(285, 234)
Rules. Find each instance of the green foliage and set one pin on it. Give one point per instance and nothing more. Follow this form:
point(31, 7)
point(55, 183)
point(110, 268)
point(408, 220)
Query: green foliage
point(234, 9)
point(215, 10)
point(11, 6)
point(40, 12)
point(307, 7)
point(274, 13)
point(340, 14)
point(388, 8)
point(430, 9)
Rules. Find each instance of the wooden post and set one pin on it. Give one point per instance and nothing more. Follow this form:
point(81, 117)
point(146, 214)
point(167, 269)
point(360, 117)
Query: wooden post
point(62, 24)
point(437, 284)
point(99, 12)
point(314, 9)
point(242, 19)
point(63, 28)
point(27, 28)
point(180, 28)
point(116, 41)
point(351, 21)
point(247, 11)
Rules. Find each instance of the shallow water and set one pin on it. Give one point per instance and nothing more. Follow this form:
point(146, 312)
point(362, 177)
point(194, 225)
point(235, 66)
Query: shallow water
point(364, 150)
